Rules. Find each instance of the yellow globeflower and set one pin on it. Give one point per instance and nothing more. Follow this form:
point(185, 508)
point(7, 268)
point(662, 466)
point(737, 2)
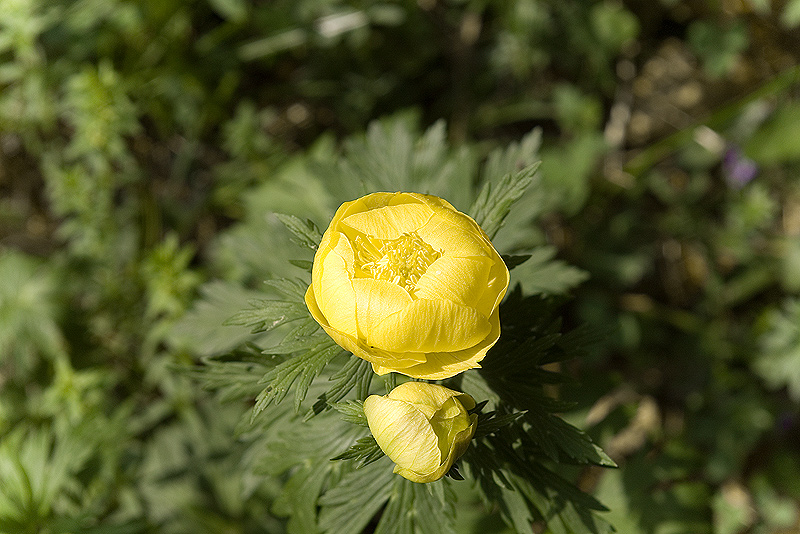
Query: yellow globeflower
point(422, 427)
point(408, 283)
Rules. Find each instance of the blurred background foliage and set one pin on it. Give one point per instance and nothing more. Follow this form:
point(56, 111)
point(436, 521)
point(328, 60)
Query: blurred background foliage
point(144, 143)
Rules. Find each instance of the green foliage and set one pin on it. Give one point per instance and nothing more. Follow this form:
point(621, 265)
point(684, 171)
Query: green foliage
point(495, 200)
point(306, 355)
point(772, 142)
point(145, 148)
point(779, 356)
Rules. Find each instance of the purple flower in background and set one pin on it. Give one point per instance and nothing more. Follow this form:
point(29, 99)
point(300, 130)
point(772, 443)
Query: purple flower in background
point(738, 168)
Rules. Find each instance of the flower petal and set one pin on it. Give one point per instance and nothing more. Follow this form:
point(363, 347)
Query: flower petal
point(430, 326)
point(454, 234)
point(379, 359)
point(403, 433)
point(389, 222)
point(425, 398)
point(375, 301)
point(496, 287)
point(441, 365)
point(461, 280)
point(333, 289)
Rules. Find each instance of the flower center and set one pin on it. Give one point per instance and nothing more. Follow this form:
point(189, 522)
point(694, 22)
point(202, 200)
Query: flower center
point(400, 261)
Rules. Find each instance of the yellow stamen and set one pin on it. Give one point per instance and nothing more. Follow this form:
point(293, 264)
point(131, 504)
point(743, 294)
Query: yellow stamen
point(401, 261)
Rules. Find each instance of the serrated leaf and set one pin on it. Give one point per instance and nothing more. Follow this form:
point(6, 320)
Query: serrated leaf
point(304, 336)
point(265, 315)
point(495, 200)
point(305, 233)
point(293, 289)
point(356, 373)
point(365, 450)
point(305, 450)
point(352, 412)
point(412, 508)
point(543, 275)
point(492, 422)
point(512, 260)
point(354, 501)
point(234, 380)
point(557, 438)
point(302, 368)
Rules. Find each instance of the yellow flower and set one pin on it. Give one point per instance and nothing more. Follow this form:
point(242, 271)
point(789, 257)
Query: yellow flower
point(408, 283)
point(422, 427)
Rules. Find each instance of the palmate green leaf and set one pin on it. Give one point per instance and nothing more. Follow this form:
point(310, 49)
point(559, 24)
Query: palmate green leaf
point(305, 334)
point(510, 475)
point(234, 380)
point(201, 331)
point(491, 422)
point(562, 441)
point(410, 507)
point(495, 200)
point(418, 508)
point(350, 505)
point(542, 275)
point(38, 468)
point(305, 233)
point(356, 373)
point(265, 315)
point(778, 359)
point(394, 156)
point(511, 461)
point(365, 451)
point(303, 368)
point(352, 412)
point(564, 514)
point(304, 450)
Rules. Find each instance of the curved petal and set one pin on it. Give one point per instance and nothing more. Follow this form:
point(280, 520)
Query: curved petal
point(427, 398)
point(375, 301)
point(382, 362)
point(496, 287)
point(454, 234)
point(430, 326)
point(389, 222)
point(441, 365)
point(433, 201)
point(380, 359)
point(403, 433)
point(365, 203)
point(460, 445)
point(460, 280)
point(333, 289)
point(449, 421)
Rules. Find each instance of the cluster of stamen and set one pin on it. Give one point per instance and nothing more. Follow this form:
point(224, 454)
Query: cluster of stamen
point(401, 261)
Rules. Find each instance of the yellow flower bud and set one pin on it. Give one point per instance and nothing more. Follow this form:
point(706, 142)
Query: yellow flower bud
point(422, 427)
point(408, 283)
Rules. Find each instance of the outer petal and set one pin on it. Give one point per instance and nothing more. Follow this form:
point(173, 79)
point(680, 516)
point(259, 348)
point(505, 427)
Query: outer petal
point(333, 289)
point(454, 234)
point(460, 280)
point(376, 356)
point(375, 300)
point(389, 222)
point(449, 421)
point(429, 326)
point(427, 398)
point(441, 365)
point(461, 442)
point(403, 433)
point(496, 287)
